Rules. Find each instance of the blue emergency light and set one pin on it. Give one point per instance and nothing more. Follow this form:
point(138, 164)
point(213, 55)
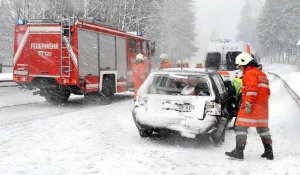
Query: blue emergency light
point(21, 22)
point(139, 33)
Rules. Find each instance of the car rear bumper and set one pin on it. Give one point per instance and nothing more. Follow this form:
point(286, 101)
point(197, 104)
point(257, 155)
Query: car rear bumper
point(175, 121)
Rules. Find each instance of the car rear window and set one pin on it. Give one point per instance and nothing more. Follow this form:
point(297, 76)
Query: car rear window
point(177, 84)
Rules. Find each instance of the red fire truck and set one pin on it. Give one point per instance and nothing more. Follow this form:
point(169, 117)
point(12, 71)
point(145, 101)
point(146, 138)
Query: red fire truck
point(60, 57)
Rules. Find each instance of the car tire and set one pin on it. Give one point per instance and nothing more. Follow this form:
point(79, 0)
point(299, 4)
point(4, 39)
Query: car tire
point(145, 133)
point(219, 138)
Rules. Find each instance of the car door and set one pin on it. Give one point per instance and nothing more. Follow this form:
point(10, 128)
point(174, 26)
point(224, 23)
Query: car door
point(221, 93)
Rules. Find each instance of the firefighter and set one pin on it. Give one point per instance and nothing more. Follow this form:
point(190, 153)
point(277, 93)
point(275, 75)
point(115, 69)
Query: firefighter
point(185, 63)
point(179, 63)
point(235, 97)
point(165, 61)
point(139, 73)
point(254, 108)
point(199, 65)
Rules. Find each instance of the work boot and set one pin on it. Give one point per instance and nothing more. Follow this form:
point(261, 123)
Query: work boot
point(238, 152)
point(268, 150)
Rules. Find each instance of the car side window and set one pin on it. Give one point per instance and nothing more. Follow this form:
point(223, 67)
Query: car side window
point(219, 82)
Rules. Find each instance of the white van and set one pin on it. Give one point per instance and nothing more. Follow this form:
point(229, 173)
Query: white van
point(221, 54)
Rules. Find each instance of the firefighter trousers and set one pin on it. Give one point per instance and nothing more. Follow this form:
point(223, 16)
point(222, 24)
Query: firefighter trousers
point(242, 132)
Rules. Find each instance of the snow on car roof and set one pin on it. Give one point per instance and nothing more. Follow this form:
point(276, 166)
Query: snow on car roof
point(186, 70)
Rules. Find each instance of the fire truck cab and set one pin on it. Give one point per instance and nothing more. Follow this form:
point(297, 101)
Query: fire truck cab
point(60, 57)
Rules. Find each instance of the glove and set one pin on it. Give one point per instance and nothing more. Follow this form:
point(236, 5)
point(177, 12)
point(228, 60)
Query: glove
point(248, 107)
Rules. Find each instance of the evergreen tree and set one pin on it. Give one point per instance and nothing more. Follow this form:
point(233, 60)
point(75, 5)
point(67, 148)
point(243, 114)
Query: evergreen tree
point(278, 28)
point(170, 23)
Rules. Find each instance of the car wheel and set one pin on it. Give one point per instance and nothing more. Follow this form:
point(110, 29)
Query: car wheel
point(145, 133)
point(218, 139)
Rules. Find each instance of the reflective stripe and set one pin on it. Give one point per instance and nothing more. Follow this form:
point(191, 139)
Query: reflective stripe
point(265, 134)
point(263, 85)
point(251, 93)
point(259, 85)
point(251, 120)
point(241, 133)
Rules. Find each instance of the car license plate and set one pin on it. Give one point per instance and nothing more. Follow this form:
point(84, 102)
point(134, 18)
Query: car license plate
point(186, 107)
point(178, 106)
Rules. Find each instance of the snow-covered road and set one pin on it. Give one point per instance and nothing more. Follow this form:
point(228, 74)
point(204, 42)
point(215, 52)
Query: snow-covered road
point(79, 138)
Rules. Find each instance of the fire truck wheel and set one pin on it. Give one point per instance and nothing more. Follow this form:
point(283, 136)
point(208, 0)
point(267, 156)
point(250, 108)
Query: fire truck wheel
point(57, 97)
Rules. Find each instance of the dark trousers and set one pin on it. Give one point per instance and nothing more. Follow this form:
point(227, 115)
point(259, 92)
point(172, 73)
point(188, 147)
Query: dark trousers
point(242, 132)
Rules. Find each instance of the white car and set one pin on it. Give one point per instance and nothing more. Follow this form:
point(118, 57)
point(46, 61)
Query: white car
point(190, 101)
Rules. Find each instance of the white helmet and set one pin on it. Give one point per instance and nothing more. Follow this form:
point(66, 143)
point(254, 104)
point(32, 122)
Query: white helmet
point(164, 57)
point(243, 59)
point(178, 62)
point(185, 61)
point(140, 57)
point(198, 62)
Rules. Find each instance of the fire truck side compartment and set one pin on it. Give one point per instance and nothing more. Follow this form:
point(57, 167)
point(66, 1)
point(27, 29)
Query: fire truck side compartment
point(88, 53)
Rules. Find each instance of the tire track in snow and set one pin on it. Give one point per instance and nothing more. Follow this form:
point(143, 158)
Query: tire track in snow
point(40, 110)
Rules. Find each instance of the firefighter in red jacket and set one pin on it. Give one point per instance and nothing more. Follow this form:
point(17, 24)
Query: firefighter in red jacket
point(179, 63)
point(185, 63)
point(139, 73)
point(165, 61)
point(254, 108)
point(199, 65)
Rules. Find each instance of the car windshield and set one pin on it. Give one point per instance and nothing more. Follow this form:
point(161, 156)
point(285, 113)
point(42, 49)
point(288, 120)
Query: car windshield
point(177, 84)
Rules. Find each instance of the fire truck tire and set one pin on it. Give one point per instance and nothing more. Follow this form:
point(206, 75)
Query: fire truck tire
point(57, 96)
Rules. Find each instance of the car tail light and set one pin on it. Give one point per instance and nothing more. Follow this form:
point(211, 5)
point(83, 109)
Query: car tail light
point(212, 108)
point(141, 101)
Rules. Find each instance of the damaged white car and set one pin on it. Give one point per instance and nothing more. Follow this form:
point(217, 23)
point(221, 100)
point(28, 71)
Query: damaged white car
point(189, 101)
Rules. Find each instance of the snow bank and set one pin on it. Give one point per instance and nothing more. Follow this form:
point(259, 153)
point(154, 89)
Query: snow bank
point(288, 73)
point(6, 76)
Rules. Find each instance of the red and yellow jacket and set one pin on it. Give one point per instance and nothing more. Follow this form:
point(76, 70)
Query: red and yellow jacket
point(256, 92)
point(166, 64)
point(139, 76)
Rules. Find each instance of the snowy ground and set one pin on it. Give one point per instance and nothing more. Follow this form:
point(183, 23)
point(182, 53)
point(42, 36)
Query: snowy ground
point(6, 77)
point(37, 138)
point(288, 73)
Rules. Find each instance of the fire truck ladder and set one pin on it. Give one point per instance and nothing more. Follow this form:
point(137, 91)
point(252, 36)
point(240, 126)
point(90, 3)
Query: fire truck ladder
point(65, 48)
